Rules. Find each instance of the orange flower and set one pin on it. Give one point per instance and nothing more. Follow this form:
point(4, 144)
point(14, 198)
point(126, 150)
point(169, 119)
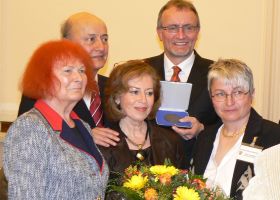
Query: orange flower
point(183, 171)
point(200, 183)
point(151, 194)
point(165, 179)
point(131, 171)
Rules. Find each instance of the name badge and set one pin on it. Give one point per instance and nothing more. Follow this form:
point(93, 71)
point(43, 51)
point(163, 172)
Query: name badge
point(249, 152)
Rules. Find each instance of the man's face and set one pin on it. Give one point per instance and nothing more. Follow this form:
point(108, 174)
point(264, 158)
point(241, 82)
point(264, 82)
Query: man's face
point(92, 35)
point(178, 45)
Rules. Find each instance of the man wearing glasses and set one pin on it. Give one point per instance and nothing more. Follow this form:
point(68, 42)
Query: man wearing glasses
point(178, 27)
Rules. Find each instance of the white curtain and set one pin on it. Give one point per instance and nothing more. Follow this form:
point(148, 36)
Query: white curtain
point(271, 95)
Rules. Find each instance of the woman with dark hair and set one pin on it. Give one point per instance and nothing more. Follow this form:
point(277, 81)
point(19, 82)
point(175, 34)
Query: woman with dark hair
point(49, 152)
point(133, 97)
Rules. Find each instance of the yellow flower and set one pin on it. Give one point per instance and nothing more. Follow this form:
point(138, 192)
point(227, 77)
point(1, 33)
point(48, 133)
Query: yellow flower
point(183, 193)
point(136, 182)
point(151, 194)
point(156, 179)
point(162, 169)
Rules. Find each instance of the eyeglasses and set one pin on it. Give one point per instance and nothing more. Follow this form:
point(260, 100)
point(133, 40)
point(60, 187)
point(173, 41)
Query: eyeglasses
point(222, 96)
point(175, 28)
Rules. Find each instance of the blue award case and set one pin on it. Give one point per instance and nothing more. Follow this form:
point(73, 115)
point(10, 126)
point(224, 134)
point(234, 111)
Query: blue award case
point(175, 97)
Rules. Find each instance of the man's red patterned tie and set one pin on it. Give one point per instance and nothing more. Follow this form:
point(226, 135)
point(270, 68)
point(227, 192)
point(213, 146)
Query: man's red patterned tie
point(96, 110)
point(175, 77)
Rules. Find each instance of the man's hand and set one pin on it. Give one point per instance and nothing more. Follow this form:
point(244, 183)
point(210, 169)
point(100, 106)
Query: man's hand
point(105, 136)
point(189, 133)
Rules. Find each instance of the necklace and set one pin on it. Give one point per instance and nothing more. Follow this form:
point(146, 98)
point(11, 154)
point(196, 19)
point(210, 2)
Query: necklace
point(139, 154)
point(234, 134)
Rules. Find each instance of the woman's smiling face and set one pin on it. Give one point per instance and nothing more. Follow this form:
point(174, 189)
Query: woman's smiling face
point(137, 103)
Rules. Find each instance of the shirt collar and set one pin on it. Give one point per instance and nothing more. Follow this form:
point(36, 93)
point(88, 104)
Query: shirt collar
point(183, 65)
point(54, 119)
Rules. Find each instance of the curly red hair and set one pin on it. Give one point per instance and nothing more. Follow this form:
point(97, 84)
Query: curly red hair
point(38, 79)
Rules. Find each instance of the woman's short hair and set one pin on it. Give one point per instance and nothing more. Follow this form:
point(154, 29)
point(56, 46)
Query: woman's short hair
point(38, 79)
point(117, 84)
point(233, 72)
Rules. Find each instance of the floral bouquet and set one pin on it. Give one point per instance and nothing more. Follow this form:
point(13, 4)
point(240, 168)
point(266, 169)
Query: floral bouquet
point(163, 182)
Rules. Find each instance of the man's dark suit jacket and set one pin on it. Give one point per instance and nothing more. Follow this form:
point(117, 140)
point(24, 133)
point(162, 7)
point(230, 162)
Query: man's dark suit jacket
point(81, 109)
point(268, 134)
point(200, 105)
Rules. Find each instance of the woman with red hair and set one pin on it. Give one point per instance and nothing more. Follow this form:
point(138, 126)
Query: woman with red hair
point(49, 152)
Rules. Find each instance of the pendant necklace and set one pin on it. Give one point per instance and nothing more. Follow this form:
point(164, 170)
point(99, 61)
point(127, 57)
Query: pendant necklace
point(139, 155)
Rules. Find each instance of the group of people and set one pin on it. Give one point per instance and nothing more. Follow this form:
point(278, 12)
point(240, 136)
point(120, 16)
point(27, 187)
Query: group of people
point(74, 126)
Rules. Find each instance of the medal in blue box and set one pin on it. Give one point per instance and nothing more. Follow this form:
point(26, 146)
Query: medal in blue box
point(175, 102)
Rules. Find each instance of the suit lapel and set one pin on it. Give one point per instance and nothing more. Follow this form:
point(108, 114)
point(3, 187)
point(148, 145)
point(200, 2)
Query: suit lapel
point(157, 63)
point(196, 76)
point(83, 112)
point(88, 140)
point(58, 125)
point(101, 84)
point(87, 146)
point(253, 129)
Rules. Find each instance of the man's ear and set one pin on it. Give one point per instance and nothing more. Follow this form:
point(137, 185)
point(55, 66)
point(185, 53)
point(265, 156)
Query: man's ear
point(159, 32)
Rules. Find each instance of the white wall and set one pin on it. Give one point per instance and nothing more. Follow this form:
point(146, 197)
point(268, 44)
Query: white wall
point(230, 29)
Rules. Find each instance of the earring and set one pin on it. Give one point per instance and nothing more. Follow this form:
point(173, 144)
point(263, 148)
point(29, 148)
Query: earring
point(117, 101)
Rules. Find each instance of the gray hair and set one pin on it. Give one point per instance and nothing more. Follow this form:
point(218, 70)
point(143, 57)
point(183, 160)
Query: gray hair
point(233, 72)
point(180, 5)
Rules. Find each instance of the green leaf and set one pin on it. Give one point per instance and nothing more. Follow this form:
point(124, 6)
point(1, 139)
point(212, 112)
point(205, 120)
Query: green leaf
point(128, 193)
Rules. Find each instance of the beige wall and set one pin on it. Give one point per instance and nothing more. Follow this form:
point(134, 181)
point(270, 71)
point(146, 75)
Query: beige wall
point(230, 29)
